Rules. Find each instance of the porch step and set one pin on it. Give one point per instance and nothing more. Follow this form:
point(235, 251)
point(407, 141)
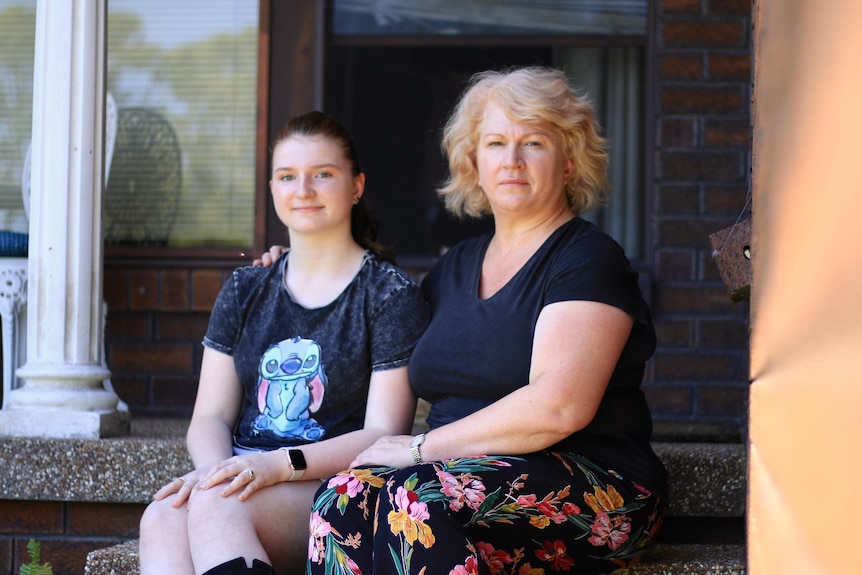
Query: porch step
point(662, 559)
point(704, 532)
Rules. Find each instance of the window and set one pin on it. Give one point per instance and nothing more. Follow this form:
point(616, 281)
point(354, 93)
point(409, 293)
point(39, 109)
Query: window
point(183, 76)
point(394, 70)
point(17, 29)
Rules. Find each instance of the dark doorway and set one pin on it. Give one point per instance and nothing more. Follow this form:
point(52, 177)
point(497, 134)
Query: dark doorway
point(395, 100)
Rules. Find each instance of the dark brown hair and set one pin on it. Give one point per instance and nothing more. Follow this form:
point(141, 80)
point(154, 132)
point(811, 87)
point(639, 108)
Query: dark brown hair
point(363, 224)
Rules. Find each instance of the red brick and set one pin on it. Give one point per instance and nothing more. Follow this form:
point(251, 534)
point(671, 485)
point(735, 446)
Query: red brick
point(186, 326)
point(132, 388)
point(170, 358)
point(669, 399)
point(677, 265)
point(67, 556)
point(115, 288)
point(175, 391)
point(723, 333)
point(699, 166)
point(674, 332)
point(706, 34)
point(685, 233)
point(692, 299)
point(724, 133)
point(126, 326)
point(680, 6)
point(729, 66)
point(726, 201)
point(175, 290)
point(95, 519)
point(729, 7)
point(722, 400)
point(144, 290)
point(687, 366)
point(682, 66)
point(6, 555)
point(206, 285)
point(37, 517)
point(704, 100)
point(677, 132)
point(678, 200)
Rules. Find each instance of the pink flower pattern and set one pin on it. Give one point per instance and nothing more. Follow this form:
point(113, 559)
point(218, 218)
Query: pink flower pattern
point(599, 515)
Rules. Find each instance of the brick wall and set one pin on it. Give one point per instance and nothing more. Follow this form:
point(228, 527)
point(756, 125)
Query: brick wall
point(156, 320)
point(702, 92)
point(66, 531)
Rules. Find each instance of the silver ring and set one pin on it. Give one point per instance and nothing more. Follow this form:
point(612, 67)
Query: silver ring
point(181, 480)
point(250, 474)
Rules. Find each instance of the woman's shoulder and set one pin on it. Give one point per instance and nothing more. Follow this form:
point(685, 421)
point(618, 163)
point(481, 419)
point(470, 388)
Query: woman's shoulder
point(583, 240)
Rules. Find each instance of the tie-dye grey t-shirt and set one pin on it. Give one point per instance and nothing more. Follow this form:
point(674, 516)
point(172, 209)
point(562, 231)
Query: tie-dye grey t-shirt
point(305, 372)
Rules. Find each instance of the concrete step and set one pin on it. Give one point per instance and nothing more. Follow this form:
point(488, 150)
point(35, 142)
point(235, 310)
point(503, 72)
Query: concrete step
point(662, 559)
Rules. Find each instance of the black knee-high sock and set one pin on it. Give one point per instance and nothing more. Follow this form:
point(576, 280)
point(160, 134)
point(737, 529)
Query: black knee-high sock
point(238, 567)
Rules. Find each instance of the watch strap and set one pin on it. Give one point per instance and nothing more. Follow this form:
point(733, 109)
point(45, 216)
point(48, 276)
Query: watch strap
point(414, 448)
point(295, 474)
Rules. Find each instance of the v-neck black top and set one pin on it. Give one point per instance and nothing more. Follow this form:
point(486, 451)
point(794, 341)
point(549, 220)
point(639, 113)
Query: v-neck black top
point(476, 351)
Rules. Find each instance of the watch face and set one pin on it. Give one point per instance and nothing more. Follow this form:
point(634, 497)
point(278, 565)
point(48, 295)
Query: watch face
point(297, 459)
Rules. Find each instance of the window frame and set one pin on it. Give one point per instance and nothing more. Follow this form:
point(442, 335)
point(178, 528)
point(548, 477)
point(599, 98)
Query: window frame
point(168, 255)
point(554, 42)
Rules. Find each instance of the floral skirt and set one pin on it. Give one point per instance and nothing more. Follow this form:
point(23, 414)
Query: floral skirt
point(539, 513)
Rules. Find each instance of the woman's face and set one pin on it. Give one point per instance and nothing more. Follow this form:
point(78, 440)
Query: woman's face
point(522, 168)
point(312, 186)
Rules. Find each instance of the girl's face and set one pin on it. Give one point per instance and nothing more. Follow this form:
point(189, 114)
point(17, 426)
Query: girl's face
point(522, 168)
point(312, 186)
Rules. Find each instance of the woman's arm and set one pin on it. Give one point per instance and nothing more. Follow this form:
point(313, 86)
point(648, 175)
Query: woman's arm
point(576, 347)
point(266, 259)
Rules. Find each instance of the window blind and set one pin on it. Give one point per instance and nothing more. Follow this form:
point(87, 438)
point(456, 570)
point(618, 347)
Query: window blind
point(17, 29)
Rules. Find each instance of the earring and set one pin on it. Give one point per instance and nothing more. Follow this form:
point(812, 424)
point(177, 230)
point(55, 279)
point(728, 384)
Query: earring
point(356, 200)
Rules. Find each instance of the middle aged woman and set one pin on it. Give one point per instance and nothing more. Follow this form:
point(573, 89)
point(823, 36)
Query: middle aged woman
point(538, 459)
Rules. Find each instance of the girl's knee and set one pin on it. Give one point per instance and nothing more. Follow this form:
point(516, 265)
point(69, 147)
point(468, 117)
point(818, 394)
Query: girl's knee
point(209, 508)
point(160, 517)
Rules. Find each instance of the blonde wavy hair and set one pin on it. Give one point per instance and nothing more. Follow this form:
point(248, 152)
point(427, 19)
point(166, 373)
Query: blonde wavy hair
point(534, 95)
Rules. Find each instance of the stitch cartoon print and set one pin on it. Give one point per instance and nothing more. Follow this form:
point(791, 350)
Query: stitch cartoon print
point(290, 388)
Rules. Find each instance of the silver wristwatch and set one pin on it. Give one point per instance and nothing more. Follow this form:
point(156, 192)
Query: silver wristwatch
point(414, 448)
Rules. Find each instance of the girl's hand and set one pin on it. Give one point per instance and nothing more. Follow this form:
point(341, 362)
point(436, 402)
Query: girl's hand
point(247, 473)
point(182, 487)
point(389, 450)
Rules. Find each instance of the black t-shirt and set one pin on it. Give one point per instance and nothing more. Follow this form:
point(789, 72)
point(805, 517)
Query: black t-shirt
point(476, 351)
point(305, 372)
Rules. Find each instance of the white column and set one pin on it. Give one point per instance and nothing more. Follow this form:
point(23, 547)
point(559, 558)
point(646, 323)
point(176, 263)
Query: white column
point(63, 395)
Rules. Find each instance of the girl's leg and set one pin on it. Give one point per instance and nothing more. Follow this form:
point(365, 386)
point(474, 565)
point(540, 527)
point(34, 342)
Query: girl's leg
point(164, 543)
point(271, 526)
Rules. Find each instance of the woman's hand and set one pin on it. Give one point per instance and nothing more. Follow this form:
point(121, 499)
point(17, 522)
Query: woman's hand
point(182, 486)
point(267, 258)
point(389, 450)
point(247, 473)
